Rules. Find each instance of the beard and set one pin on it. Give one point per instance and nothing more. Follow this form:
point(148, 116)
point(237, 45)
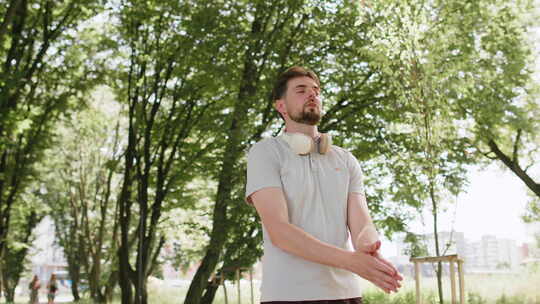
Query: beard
point(308, 116)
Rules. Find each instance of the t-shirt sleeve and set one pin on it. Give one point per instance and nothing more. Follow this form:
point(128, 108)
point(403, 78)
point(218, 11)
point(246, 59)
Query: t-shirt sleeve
point(262, 170)
point(356, 179)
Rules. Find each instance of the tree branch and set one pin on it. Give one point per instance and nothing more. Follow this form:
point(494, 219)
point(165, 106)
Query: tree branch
point(531, 184)
point(516, 147)
point(8, 16)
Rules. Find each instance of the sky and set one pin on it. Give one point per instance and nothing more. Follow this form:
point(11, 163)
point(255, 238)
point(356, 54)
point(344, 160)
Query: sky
point(496, 198)
point(493, 202)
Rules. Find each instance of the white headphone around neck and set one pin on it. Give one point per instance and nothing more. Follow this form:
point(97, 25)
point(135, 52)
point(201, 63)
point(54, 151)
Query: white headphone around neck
point(302, 144)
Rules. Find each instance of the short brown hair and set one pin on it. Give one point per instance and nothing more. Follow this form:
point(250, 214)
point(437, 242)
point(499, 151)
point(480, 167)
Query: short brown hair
point(280, 87)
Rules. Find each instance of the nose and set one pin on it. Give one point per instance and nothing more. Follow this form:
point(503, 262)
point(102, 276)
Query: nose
point(312, 93)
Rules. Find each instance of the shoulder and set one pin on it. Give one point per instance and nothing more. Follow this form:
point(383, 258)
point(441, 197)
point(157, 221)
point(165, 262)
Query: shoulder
point(265, 142)
point(266, 146)
point(342, 152)
point(345, 155)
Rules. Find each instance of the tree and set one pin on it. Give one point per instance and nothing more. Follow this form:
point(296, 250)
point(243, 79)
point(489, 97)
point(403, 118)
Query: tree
point(41, 78)
point(325, 39)
point(270, 30)
point(444, 61)
point(24, 219)
point(167, 78)
point(81, 193)
point(506, 114)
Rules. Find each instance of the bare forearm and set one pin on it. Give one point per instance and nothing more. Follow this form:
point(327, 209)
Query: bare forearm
point(363, 231)
point(294, 240)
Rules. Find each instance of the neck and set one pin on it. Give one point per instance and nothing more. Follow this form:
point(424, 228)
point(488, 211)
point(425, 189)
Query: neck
point(294, 127)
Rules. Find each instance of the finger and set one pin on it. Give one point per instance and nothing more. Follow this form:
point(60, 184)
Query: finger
point(373, 249)
point(392, 281)
point(381, 266)
point(387, 279)
point(382, 285)
point(386, 290)
point(387, 263)
point(369, 248)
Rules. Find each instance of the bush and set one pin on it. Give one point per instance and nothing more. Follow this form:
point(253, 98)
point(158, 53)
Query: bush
point(475, 298)
point(408, 297)
point(515, 299)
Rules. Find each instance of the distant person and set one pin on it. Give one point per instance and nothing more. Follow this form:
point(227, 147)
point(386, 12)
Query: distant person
point(34, 289)
point(52, 288)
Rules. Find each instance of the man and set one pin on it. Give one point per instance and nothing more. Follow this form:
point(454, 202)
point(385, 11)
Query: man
point(309, 195)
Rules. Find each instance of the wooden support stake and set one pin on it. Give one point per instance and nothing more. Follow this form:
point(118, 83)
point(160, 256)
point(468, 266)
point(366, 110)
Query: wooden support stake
point(461, 282)
point(417, 278)
point(238, 285)
point(224, 289)
point(447, 258)
point(251, 283)
point(453, 282)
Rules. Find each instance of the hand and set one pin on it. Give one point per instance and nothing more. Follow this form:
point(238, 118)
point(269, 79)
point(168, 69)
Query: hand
point(373, 250)
point(376, 270)
point(378, 256)
point(370, 249)
point(367, 241)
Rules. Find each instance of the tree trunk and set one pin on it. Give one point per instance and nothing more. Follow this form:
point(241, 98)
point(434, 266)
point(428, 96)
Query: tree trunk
point(436, 237)
point(232, 154)
point(124, 202)
point(141, 292)
point(10, 295)
point(124, 282)
point(75, 290)
point(108, 293)
point(74, 273)
point(220, 224)
point(210, 292)
point(9, 291)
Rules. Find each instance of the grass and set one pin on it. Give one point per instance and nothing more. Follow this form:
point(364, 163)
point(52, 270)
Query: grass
point(480, 289)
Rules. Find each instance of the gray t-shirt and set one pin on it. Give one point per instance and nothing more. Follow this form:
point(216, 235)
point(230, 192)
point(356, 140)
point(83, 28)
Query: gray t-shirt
point(316, 188)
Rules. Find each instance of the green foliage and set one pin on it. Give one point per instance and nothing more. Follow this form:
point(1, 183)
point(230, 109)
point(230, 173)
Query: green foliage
point(475, 298)
point(416, 90)
point(43, 77)
point(532, 214)
point(408, 297)
point(416, 246)
point(514, 299)
point(81, 190)
point(24, 218)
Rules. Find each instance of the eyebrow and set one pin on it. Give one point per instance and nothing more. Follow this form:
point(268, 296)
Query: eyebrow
point(303, 86)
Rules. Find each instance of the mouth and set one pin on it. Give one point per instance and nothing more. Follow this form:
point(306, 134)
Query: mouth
point(311, 104)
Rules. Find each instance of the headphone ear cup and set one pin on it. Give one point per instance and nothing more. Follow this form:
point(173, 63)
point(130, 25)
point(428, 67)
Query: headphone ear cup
point(325, 143)
point(299, 143)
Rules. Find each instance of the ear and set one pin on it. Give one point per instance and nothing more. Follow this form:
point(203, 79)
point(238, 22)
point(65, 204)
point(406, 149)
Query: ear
point(279, 104)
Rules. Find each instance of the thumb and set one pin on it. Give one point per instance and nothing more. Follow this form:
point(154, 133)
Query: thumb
point(375, 246)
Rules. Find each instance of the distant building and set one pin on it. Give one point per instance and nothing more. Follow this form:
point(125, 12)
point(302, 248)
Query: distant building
point(489, 254)
point(492, 253)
